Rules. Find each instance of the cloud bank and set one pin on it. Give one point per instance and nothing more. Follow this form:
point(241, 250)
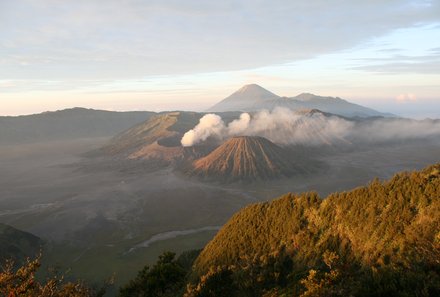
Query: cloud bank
point(125, 39)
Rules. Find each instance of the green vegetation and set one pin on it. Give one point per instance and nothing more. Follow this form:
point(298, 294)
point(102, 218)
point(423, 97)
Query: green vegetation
point(166, 278)
point(384, 240)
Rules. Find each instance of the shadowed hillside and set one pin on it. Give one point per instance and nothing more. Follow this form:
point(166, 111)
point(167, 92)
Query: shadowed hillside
point(17, 245)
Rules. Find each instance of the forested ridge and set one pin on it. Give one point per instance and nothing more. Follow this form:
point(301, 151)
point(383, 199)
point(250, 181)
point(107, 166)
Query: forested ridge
point(381, 239)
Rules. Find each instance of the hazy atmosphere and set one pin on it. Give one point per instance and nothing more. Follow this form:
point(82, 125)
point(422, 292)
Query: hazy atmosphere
point(168, 55)
point(229, 148)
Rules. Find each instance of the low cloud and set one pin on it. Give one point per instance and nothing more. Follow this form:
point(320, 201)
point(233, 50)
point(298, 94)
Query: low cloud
point(286, 127)
point(209, 125)
point(408, 97)
point(395, 129)
point(281, 126)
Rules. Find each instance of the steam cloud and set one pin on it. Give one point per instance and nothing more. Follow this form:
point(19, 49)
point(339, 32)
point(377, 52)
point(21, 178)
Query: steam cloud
point(281, 126)
point(209, 125)
point(285, 127)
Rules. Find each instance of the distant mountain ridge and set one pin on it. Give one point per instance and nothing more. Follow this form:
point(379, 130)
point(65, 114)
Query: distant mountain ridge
point(253, 97)
point(67, 124)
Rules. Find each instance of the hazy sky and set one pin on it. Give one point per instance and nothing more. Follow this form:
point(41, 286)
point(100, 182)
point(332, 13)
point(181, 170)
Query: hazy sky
point(164, 55)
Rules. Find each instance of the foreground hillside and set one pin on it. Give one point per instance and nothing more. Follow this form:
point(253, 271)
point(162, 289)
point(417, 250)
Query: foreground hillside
point(382, 239)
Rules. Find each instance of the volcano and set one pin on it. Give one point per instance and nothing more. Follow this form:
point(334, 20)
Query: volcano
point(248, 98)
point(245, 158)
point(158, 140)
point(252, 98)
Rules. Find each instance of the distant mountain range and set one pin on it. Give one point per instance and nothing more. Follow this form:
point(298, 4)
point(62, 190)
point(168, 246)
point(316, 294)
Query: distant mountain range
point(253, 97)
point(67, 124)
point(84, 123)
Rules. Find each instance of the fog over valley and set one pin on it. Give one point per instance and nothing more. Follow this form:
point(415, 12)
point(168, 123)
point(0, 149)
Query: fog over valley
point(228, 148)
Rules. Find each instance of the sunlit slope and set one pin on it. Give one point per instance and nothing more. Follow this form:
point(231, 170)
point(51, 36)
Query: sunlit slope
point(394, 224)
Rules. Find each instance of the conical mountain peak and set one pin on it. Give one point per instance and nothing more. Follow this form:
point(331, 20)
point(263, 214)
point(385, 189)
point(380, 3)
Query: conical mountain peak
point(254, 88)
point(247, 98)
point(253, 98)
point(245, 158)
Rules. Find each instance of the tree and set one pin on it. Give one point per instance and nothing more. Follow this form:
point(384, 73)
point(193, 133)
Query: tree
point(217, 282)
point(165, 278)
point(22, 282)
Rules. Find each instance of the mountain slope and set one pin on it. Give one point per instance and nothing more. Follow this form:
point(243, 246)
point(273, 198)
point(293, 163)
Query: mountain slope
point(245, 158)
point(248, 98)
point(334, 105)
point(157, 139)
point(386, 236)
point(254, 98)
point(67, 124)
point(145, 133)
point(17, 245)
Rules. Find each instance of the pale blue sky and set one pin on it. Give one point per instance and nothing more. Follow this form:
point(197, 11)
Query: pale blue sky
point(164, 55)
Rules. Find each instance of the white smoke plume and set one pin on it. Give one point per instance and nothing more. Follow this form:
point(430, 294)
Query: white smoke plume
point(281, 126)
point(209, 125)
point(284, 126)
point(239, 126)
